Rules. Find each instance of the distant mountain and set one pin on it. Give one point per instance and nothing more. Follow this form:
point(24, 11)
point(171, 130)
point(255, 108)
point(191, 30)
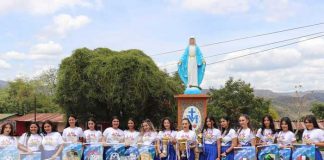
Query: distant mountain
point(3, 84)
point(289, 103)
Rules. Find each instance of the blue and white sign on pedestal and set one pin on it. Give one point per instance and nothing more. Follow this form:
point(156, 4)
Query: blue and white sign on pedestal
point(193, 107)
point(194, 116)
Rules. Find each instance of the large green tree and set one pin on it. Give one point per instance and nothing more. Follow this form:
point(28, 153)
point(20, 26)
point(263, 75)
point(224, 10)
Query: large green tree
point(237, 98)
point(21, 94)
point(103, 83)
point(318, 109)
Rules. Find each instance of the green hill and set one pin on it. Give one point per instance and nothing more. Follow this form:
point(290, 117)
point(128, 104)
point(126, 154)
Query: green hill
point(3, 84)
point(289, 104)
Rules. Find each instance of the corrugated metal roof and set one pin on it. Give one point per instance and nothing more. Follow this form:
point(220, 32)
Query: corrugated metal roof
point(40, 117)
point(6, 115)
point(299, 125)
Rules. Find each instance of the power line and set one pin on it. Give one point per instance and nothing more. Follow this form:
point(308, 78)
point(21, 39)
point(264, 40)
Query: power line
point(242, 38)
point(224, 60)
point(262, 51)
point(262, 45)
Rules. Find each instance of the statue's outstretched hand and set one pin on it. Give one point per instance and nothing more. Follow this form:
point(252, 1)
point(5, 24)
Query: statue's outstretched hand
point(204, 62)
point(179, 63)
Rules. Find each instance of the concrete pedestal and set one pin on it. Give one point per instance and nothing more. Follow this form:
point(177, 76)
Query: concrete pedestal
point(193, 107)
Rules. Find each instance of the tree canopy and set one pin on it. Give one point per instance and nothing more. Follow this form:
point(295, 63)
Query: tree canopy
point(103, 83)
point(21, 94)
point(237, 98)
point(318, 110)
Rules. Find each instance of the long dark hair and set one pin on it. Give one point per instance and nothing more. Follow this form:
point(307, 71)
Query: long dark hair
point(133, 120)
point(311, 119)
point(223, 130)
point(171, 124)
point(272, 127)
point(248, 124)
point(38, 129)
point(4, 126)
point(205, 127)
point(94, 121)
point(288, 122)
point(186, 119)
point(76, 121)
point(54, 129)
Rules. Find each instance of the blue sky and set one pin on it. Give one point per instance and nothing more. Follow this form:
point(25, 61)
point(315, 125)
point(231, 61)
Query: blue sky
point(38, 34)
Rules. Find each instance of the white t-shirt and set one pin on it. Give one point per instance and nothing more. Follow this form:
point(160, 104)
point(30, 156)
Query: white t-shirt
point(228, 138)
point(245, 136)
point(92, 136)
point(148, 138)
point(113, 135)
point(169, 134)
point(7, 141)
point(211, 136)
point(315, 135)
point(33, 142)
point(267, 137)
point(72, 135)
point(52, 141)
point(190, 136)
point(131, 138)
point(286, 138)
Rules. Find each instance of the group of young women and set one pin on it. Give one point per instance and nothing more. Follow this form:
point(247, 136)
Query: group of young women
point(217, 142)
point(225, 139)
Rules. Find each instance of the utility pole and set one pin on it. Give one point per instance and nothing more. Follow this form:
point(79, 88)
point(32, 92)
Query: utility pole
point(35, 107)
point(299, 105)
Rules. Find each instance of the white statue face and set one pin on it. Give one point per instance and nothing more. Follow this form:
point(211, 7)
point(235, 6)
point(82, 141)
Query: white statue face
point(192, 41)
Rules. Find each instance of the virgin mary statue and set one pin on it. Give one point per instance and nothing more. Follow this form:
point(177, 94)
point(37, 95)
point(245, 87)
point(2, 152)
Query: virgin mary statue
point(191, 68)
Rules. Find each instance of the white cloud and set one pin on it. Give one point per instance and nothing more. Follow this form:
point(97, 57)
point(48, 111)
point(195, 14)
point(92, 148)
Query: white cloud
point(42, 7)
point(14, 55)
point(49, 50)
point(276, 10)
point(64, 23)
point(275, 59)
point(217, 6)
point(40, 69)
point(4, 64)
point(313, 48)
point(6, 6)
point(269, 10)
point(311, 77)
point(315, 62)
point(169, 66)
point(279, 70)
